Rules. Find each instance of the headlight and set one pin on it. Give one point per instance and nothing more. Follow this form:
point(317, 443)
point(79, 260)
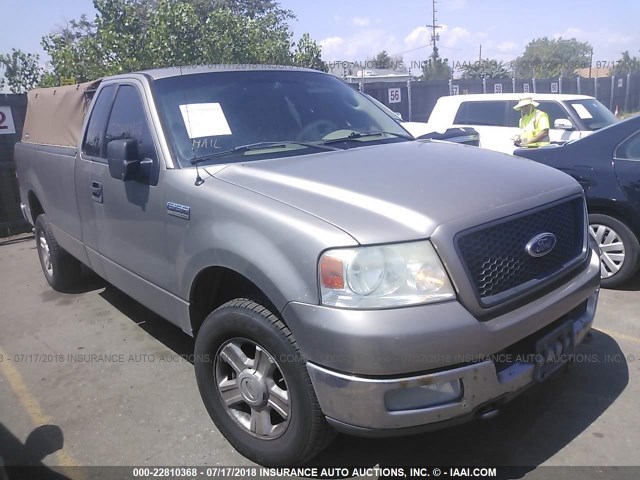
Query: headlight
point(383, 276)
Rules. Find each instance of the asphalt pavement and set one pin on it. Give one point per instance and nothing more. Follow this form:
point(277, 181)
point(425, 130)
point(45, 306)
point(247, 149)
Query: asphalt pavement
point(93, 378)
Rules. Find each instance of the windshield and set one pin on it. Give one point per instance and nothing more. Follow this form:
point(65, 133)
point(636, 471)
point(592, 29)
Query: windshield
point(205, 114)
point(593, 114)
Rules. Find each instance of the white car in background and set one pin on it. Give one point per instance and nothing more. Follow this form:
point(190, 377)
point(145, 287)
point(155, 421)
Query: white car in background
point(493, 117)
point(467, 136)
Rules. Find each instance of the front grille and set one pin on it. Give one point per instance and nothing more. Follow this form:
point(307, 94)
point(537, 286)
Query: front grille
point(497, 262)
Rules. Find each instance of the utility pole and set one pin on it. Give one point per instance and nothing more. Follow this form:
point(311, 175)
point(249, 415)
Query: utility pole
point(480, 55)
point(435, 37)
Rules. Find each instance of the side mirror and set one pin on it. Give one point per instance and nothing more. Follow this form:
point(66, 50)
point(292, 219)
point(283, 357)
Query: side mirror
point(563, 124)
point(124, 162)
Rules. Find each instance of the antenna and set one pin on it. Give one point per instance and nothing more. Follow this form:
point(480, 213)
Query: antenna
point(199, 180)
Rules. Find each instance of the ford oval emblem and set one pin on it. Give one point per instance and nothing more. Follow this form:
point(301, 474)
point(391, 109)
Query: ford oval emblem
point(541, 245)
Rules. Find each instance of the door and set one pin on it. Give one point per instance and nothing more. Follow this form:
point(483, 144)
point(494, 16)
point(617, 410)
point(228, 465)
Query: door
point(627, 167)
point(556, 111)
point(91, 151)
point(130, 215)
point(490, 119)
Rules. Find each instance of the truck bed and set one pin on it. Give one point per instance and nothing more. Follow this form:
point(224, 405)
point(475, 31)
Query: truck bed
point(48, 172)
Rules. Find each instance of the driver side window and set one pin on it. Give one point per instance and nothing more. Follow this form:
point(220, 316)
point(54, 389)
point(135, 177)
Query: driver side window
point(554, 110)
point(128, 120)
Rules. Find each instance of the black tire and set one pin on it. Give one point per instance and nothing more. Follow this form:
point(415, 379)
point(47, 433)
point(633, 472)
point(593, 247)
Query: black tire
point(629, 265)
point(307, 431)
point(63, 271)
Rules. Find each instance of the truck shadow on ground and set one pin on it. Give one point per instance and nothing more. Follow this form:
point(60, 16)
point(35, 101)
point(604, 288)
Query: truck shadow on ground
point(163, 331)
point(527, 432)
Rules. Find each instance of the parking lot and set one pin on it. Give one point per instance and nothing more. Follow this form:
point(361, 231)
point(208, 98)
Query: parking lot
point(112, 383)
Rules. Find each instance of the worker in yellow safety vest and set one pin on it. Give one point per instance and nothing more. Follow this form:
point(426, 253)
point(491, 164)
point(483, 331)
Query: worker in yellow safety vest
point(534, 124)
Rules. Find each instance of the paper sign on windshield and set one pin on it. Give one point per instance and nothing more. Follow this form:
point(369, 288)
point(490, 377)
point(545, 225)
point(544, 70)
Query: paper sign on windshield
point(582, 111)
point(204, 120)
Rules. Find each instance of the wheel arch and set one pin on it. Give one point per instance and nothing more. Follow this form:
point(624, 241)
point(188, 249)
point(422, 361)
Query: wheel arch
point(618, 214)
point(35, 206)
point(213, 286)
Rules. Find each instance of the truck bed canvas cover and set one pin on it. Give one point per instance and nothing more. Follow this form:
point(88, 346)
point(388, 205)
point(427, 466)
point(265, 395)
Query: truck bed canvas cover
point(55, 115)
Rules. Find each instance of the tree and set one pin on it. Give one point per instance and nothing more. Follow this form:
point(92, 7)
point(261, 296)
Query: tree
point(75, 52)
point(383, 61)
point(21, 70)
point(129, 35)
point(484, 69)
point(309, 54)
point(436, 68)
point(552, 58)
point(627, 64)
point(245, 8)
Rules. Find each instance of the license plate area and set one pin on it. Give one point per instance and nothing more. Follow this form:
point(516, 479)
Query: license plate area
point(553, 351)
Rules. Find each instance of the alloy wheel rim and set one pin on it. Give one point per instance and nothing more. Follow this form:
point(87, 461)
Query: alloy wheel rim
point(45, 253)
point(612, 251)
point(252, 388)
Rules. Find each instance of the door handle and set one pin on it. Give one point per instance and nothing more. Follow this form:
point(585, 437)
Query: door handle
point(96, 192)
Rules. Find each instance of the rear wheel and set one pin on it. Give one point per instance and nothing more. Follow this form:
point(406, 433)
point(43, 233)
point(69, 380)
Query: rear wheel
point(255, 385)
point(60, 269)
point(619, 249)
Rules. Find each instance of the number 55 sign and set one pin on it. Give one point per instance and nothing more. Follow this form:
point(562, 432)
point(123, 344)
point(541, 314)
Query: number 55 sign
point(6, 121)
point(394, 95)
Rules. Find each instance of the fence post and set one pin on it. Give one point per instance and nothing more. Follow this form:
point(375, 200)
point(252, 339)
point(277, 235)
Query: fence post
point(484, 85)
point(627, 93)
point(409, 97)
point(613, 85)
point(513, 84)
point(595, 88)
point(533, 81)
point(578, 80)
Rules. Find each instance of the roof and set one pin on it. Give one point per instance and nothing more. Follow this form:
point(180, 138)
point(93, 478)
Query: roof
point(159, 73)
point(595, 72)
point(55, 115)
point(514, 96)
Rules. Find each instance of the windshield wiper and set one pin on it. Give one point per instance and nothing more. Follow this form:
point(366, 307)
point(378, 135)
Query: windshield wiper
point(259, 146)
point(356, 135)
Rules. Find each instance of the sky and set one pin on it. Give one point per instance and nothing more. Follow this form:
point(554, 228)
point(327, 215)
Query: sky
point(355, 30)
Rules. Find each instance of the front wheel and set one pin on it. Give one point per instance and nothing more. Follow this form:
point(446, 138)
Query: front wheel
point(255, 385)
point(619, 249)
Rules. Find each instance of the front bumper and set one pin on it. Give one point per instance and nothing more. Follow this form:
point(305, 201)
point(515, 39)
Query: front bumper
point(359, 405)
point(356, 358)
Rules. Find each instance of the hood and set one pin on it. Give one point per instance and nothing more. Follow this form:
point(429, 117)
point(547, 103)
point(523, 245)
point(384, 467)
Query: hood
point(399, 191)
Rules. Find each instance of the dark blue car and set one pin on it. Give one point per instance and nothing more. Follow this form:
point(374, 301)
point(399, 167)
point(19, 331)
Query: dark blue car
point(607, 165)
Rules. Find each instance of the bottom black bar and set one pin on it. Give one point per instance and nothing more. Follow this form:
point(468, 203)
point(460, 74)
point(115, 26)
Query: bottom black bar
point(375, 472)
